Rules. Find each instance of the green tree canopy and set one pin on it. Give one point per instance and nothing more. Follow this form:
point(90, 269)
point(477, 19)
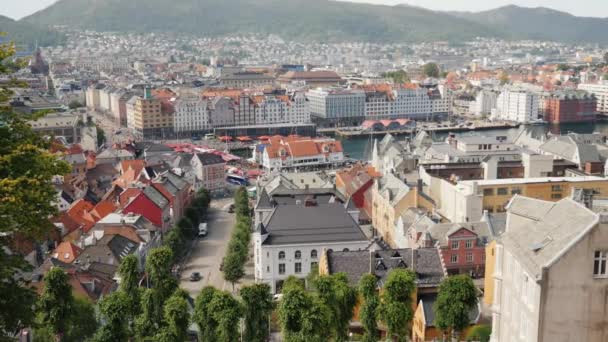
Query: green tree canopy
point(227, 312)
point(341, 299)
point(203, 316)
point(257, 307)
point(396, 305)
point(177, 317)
point(398, 76)
point(113, 309)
point(431, 70)
point(368, 315)
point(56, 302)
point(456, 298)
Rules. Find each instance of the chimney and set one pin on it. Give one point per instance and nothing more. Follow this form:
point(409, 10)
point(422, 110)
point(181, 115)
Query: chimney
point(414, 256)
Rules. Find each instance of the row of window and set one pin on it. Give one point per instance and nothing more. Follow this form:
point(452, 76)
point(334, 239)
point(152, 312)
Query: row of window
point(501, 191)
point(298, 254)
point(467, 244)
point(297, 267)
point(469, 258)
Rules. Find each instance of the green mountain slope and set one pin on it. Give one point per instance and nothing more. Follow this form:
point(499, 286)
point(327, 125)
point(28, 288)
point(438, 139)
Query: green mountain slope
point(24, 33)
point(543, 24)
point(292, 19)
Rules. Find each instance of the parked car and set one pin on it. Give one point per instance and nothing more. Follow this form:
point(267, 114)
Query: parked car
point(195, 276)
point(202, 229)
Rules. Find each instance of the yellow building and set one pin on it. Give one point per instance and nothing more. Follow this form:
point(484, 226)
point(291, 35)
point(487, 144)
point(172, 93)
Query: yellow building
point(488, 280)
point(391, 197)
point(423, 325)
point(146, 117)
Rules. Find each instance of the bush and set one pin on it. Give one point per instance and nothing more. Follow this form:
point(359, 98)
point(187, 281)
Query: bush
point(480, 333)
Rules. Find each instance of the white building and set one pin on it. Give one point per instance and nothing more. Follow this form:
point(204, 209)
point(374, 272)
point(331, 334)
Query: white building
point(190, 114)
point(485, 101)
point(282, 153)
point(336, 103)
point(271, 109)
point(291, 237)
point(600, 90)
point(550, 274)
point(516, 105)
point(299, 111)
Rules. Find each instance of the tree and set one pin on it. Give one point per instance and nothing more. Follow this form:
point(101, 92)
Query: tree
point(101, 136)
point(302, 316)
point(563, 67)
point(158, 268)
point(112, 309)
point(398, 77)
point(456, 298)
point(26, 200)
point(480, 333)
point(56, 303)
point(341, 299)
point(368, 315)
point(257, 307)
point(227, 312)
point(186, 228)
point(174, 241)
point(431, 70)
point(74, 104)
point(203, 316)
point(234, 268)
point(128, 272)
point(176, 317)
point(192, 214)
point(396, 305)
point(83, 323)
point(504, 78)
point(605, 77)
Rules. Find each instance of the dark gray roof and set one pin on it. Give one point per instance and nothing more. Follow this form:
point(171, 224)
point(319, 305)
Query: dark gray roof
point(264, 202)
point(210, 158)
point(119, 245)
point(176, 180)
point(429, 271)
point(158, 148)
point(323, 223)
point(156, 196)
point(428, 300)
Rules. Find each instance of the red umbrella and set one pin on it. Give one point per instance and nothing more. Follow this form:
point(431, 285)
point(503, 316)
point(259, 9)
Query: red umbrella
point(263, 137)
point(225, 138)
point(244, 138)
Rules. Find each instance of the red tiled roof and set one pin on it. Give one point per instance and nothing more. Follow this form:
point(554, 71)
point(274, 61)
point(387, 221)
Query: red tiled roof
point(66, 252)
point(103, 209)
point(127, 195)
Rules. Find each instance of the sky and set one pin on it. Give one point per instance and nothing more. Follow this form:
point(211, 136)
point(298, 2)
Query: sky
point(17, 9)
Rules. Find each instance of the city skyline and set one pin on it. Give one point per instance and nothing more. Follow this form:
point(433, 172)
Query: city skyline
point(590, 8)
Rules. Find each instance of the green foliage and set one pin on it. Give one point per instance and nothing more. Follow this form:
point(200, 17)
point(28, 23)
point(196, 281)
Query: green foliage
point(368, 314)
point(56, 302)
point(174, 241)
point(83, 323)
point(113, 309)
point(26, 200)
point(227, 312)
point(335, 293)
point(203, 316)
point(396, 305)
point(480, 333)
point(193, 215)
point(129, 284)
point(238, 247)
point(605, 77)
point(177, 317)
point(431, 70)
point(74, 104)
point(257, 307)
point(563, 67)
point(101, 136)
point(398, 77)
point(606, 58)
point(28, 34)
point(456, 298)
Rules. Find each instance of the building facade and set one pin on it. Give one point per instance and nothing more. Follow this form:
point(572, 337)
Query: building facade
point(516, 105)
point(600, 90)
point(565, 108)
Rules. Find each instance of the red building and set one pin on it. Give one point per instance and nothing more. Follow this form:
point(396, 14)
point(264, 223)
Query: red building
point(462, 245)
point(153, 205)
point(355, 183)
point(574, 107)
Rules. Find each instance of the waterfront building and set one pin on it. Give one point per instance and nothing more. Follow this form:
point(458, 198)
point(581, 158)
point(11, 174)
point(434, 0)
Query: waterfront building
point(245, 79)
point(333, 105)
point(567, 108)
point(548, 273)
point(516, 105)
point(485, 101)
point(312, 79)
point(190, 115)
point(469, 149)
point(293, 152)
point(600, 90)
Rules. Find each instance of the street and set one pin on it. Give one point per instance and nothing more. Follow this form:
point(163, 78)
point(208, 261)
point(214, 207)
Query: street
point(208, 252)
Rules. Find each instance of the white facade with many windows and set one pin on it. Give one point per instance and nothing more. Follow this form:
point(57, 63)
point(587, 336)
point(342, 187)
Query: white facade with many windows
point(516, 105)
point(600, 90)
point(190, 115)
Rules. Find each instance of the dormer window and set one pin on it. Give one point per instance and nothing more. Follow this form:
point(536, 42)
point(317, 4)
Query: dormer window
point(281, 255)
point(380, 265)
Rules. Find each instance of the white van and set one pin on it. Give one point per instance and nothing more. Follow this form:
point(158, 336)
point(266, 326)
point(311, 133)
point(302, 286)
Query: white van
point(202, 229)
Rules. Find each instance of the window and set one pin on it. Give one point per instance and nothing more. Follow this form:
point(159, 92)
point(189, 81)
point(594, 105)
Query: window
point(313, 254)
point(455, 244)
point(281, 255)
point(267, 268)
point(599, 264)
point(470, 258)
point(281, 268)
point(468, 244)
point(556, 188)
point(488, 192)
point(345, 250)
point(516, 191)
point(454, 258)
point(298, 267)
point(298, 255)
point(502, 191)
point(313, 265)
point(556, 196)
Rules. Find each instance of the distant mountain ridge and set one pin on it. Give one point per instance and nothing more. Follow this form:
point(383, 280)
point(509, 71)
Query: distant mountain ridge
point(320, 20)
point(27, 34)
